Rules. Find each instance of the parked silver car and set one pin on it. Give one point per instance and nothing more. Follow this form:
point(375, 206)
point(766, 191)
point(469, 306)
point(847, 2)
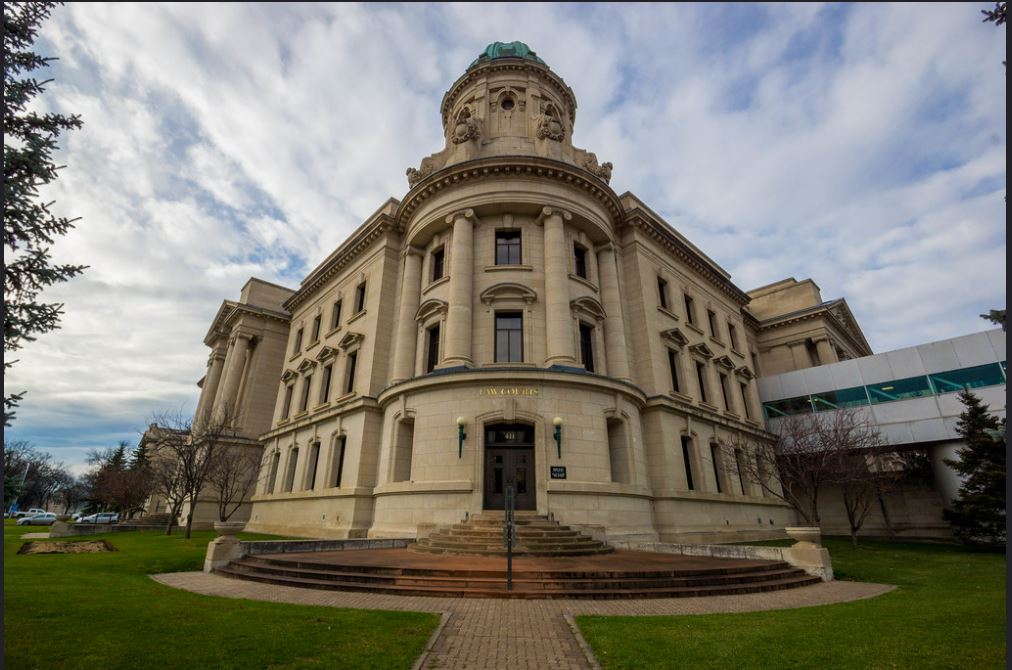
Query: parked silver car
point(101, 517)
point(44, 519)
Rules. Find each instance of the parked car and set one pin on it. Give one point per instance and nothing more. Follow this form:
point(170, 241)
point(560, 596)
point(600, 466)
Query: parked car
point(21, 514)
point(101, 517)
point(44, 519)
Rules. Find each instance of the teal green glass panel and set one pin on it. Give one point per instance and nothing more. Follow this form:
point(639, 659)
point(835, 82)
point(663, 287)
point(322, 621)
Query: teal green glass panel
point(852, 397)
point(899, 389)
point(975, 377)
point(787, 407)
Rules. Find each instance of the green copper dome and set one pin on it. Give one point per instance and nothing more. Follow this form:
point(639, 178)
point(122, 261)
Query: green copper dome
point(506, 50)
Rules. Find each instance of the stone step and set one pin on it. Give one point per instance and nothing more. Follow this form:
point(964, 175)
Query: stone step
point(281, 560)
point(519, 591)
point(465, 580)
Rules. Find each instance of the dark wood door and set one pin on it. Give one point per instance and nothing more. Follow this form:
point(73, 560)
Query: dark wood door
point(509, 467)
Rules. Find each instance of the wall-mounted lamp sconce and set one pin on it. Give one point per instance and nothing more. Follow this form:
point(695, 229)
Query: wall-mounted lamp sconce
point(461, 436)
point(558, 434)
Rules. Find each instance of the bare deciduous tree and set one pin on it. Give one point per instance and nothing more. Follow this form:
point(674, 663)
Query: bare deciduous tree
point(233, 476)
point(194, 446)
point(811, 451)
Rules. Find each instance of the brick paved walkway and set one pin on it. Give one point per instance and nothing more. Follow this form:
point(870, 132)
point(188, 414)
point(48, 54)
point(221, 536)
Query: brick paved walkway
point(517, 634)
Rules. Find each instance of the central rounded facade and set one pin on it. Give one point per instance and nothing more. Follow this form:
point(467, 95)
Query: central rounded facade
point(512, 322)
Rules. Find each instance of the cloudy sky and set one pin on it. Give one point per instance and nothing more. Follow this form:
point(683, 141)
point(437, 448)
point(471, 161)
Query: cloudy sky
point(861, 145)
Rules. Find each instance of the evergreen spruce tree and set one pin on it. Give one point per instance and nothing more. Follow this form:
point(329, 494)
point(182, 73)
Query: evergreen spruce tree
point(140, 459)
point(29, 226)
point(978, 513)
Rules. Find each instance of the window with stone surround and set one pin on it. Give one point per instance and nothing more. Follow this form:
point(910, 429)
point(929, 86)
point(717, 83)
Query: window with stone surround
point(311, 464)
point(304, 402)
point(340, 443)
point(286, 406)
point(507, 247)
point(580, 260)
point(587, 346)
point(673, 369)
point(335, 315)
point(711, 318)
point(662, 293)
point(316, 327)
point(701, 379)
point(360, 298)
point(690, 309)
point(718, 475)
point(298, 341)
point(328, 372)
point(744, 399)
point(509, 337)
point(272, 479)
point(725, 392)
point(432, 348)
point(687, 461)
point(293, 459)
point(436, 263)
point(732, 334)
point(349, 384)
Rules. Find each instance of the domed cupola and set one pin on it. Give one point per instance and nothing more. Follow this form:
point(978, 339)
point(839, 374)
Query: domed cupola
point(508, 103)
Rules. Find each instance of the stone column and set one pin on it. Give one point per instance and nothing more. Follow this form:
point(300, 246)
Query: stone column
point(826, 353)
point(614, 330)
point(558, 320)
point(407, 333)
point(799, 355)
point(458, 316)
point(233, 375)
point(210, 389)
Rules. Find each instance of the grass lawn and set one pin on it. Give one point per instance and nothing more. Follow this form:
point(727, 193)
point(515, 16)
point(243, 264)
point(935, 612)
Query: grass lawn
point(947, 612)
point(103, 611)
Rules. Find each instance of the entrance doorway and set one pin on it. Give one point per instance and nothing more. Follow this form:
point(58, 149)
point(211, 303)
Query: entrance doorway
point(509, 461)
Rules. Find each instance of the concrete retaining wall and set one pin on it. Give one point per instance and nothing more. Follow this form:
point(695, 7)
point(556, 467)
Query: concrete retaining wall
point(811, 559)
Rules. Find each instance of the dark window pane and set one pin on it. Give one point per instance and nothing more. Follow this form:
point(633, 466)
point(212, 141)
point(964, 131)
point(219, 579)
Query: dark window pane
point(437, 264)
point(899, 389)
point(521, 476)
point(673, 366)
point(852, 397)
point(580, 261)
point(507, 247)
point(799, 405)
point(587, 346)
point(975, 377)
point(508, 338)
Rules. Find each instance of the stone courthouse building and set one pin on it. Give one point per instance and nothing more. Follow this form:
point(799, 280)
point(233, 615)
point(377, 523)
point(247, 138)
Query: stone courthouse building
point(512, 320)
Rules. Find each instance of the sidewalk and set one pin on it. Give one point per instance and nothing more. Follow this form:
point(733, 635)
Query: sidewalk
point(517, 634)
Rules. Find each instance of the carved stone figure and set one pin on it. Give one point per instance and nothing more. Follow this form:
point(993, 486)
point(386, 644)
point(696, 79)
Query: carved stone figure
point(423, 171)
point(550, 127)
point(602, 171)
point(467, 128)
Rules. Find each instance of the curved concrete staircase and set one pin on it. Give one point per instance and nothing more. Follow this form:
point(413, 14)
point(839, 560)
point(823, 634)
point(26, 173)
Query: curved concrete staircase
point(617, 575)
point(482, 535)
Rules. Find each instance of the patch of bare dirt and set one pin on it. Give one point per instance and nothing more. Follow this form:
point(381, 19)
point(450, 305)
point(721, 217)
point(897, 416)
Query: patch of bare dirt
point(86, 547)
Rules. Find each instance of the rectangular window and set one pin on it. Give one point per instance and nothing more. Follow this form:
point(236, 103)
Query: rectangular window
point(738, 461)
point(360, 298)
point(509, 337)
point(342, 442)
point(830, 400)
point(787, 407)
point(725, 392)
point(432, 354)
point(298, 341)
point(711, 318)
point(349, 385)
point(690, 311)
point(328, 371)
point(715, 459)
point(732, 334)
point(311, 465)
point(335, 319)
point(286, 407)
point(701, 378)
point(687, 461)
point(580, 260)
point(662, 292)
point(587, 346)
point(899, 389)
point(316, 327)
point(744, 399)
point(975, 377)
point(437, 263)
point(306, 381)
point(507, 247)
point(673, 367)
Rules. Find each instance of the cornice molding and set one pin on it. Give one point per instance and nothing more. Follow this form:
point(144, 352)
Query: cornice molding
point(660, 233)
point(499, 167)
